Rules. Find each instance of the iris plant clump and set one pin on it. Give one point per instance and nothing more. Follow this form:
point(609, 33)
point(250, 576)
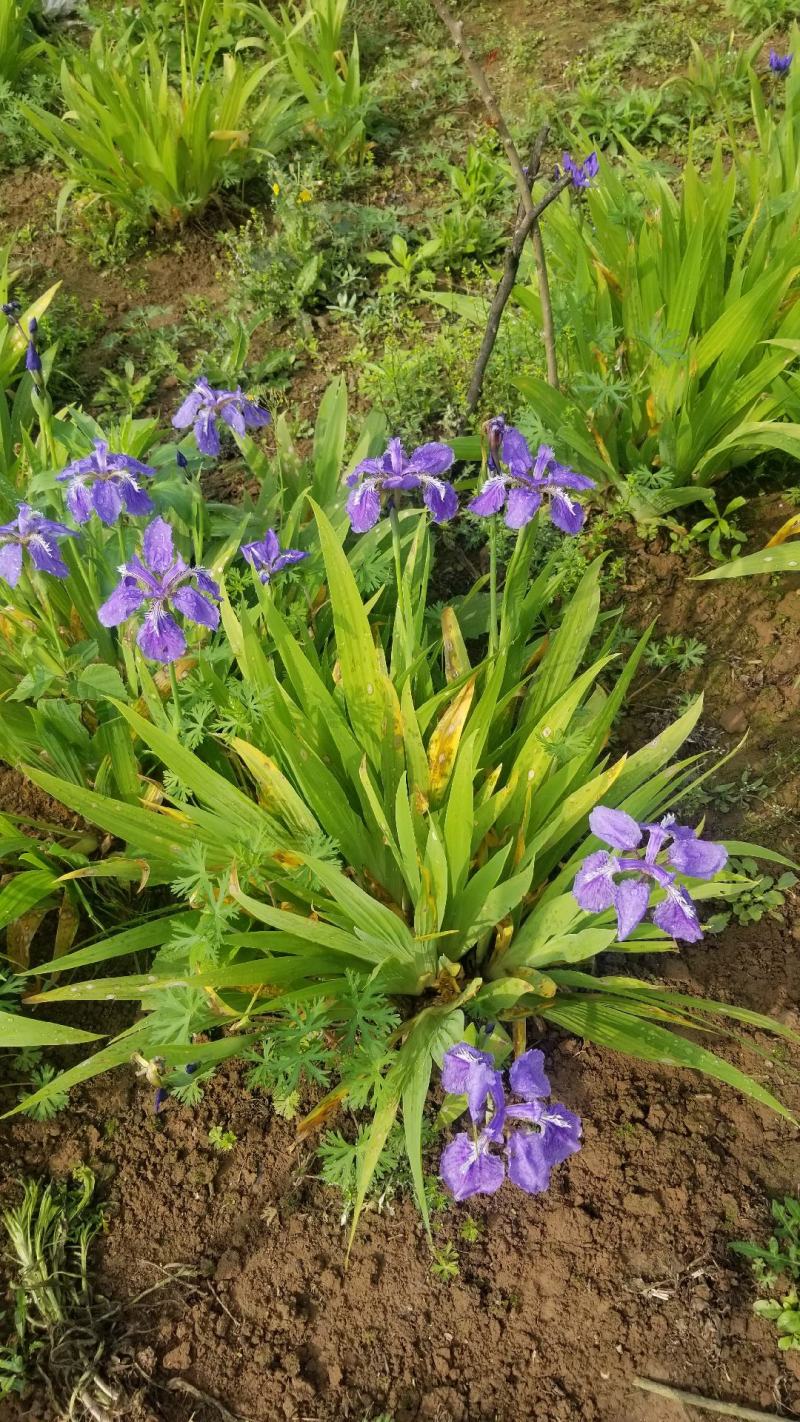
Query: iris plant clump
point(625, 878)
point(163, 584)
point(205, 406)
point(528, 1137)
point(519, 483)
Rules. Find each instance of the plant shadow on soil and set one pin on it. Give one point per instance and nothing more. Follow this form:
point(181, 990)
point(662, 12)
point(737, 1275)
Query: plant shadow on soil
point(623, 1268)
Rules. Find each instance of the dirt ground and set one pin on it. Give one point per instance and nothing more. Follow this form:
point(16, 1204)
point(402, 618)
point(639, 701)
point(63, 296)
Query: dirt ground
point(623, 1269)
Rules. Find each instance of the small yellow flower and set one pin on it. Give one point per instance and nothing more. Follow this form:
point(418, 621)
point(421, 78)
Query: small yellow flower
point(276, 187)
point(304, 195)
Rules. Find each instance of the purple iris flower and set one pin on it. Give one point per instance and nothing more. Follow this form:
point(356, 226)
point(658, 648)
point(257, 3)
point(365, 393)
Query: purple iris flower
point(38, 536)
point(205, 406)
point(267, 558)
point(525, 481)
point(33, 361)
point(397, 470)
point(161, 582)
point(546, 1133)
point(624, 882)
point(779, 63)
point(106, 483)
point(581, 173)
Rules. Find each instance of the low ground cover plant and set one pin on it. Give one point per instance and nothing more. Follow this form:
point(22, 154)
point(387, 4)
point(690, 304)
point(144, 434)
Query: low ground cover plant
point(776, 1269)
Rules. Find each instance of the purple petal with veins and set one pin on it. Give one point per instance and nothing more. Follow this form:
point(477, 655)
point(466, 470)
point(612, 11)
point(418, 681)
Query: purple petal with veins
point(594, 886)
point(468, 1168)
point(527, 1076)
point(631, 900)
point(615, 827)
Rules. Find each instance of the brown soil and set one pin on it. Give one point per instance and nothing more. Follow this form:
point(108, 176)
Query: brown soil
point(750, 675)
point(622, 1269)
point(19, 796)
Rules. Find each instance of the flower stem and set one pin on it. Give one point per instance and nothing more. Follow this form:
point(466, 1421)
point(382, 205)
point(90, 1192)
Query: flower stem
point(176, 701)
point(402, 604)
point(492, 586)
point(41, 593)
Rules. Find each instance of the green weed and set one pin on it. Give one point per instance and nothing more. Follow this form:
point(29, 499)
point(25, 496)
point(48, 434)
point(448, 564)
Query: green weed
point(780, 1259)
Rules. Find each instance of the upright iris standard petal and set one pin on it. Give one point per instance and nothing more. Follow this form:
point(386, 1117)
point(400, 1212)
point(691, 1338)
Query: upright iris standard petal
point(394, 471)
point(157, 546)
point(615, 827)
point(527, 1077)
point(205, 406)
point(516, 453)
point(468, 1168)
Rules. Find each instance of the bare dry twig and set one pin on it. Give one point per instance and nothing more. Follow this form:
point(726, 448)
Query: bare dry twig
point(522, 180)
point(710, 1404)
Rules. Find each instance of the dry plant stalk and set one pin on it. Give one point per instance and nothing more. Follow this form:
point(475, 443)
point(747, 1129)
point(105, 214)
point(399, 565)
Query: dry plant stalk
point(527, 226)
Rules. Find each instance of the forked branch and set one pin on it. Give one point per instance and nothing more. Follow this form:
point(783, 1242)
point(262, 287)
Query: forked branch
point(530, 211)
